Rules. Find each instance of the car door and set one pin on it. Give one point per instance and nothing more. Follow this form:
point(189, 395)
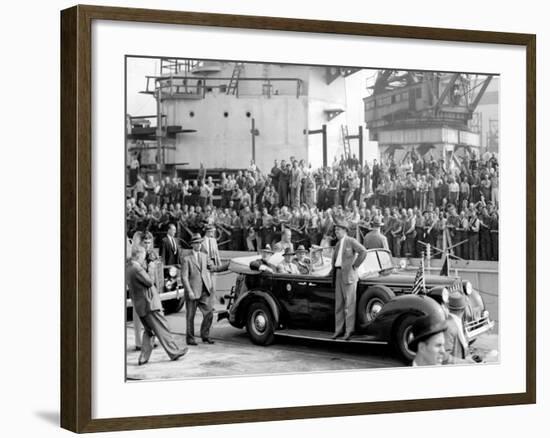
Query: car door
point(292, 292)
point(321, 303)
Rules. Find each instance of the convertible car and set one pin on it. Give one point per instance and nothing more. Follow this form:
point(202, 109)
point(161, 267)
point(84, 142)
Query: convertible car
point(303, 305)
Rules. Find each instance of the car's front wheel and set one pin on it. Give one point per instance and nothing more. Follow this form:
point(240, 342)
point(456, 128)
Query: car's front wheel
point(260, 324)
point(173, 306)
point(402, 336)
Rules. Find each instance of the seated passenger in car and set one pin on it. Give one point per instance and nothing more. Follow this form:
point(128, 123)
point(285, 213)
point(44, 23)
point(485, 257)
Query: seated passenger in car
point(302, 262)
point(287, 266)
point(263, 264)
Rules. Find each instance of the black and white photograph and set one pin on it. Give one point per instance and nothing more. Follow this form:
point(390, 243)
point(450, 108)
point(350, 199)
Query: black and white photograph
point(286, 218)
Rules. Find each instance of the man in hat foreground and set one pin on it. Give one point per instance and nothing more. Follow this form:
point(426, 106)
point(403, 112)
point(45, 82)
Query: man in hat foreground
point(429, 340)
point(286, 266)
point(263, 264)
point(374, 238)
point(198, 290)
point(148, 306)
point(456, 344)
point(302, 262)
point(346, 259)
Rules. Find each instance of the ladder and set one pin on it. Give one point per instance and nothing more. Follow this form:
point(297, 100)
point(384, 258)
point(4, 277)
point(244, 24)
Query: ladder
point(345, 140)
point(234, 81)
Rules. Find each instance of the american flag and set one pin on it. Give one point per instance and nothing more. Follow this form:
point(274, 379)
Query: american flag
point(419, 285)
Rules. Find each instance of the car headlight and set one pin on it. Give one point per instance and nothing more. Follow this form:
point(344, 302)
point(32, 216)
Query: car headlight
point(485, 314)
point(445, 295)
point(468, 288)
point(402, 263)
point(172, 271)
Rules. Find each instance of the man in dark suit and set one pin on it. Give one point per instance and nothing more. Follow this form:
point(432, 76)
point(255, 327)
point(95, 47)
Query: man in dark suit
point(169, 247)
point(346, 258)
point(148, 306)
point(198, 290)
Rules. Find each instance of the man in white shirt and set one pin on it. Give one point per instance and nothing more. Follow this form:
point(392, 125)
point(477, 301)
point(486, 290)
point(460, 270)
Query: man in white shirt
point(346, 259)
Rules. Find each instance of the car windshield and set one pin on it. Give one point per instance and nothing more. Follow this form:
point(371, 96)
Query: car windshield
point(374, 262)
point(370, 265)
point(385, 260)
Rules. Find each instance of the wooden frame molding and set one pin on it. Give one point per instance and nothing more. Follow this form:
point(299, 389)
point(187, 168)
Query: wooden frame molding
point(76, 224)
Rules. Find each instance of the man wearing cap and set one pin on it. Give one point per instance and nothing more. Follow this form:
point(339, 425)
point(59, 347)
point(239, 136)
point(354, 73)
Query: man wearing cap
point(346, 258)
point(456, 344)
point(263, 264)
point(286, 266)
point(428, 340)
point(374, 238)
point(197, 284)
point(302, 262)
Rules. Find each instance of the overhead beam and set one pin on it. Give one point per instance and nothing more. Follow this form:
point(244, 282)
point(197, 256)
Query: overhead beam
point(481, 92)
point(447, 90)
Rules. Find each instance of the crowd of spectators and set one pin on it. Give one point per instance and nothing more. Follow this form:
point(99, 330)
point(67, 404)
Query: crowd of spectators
point(419, 200)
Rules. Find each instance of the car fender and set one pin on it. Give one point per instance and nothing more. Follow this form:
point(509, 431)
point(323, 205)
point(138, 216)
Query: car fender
point(237, 314)
point(396, 309)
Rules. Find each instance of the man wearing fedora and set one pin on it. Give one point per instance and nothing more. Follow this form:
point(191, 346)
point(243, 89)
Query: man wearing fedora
point(286, 266)
point(198, 290)
point(346, 259)
point(302, 262)
point(428, 340)
point(456, 344)
point(263, 263)
point(374, 238)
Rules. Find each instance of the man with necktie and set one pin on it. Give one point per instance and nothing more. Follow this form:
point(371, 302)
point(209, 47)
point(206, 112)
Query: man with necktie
point(346, 259)
point(197, 284)
point(169, 247)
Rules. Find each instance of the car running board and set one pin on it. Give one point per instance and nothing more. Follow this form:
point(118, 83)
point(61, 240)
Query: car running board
point(319, 335)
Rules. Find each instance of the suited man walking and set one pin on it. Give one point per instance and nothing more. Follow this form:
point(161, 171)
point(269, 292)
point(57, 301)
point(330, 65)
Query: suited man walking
point(198, 290)
point(147, 304)
point(346, 258)
point(169, 247)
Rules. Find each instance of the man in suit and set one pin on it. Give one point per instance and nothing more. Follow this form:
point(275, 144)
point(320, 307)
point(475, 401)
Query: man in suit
point(263, 263)
point(428, 340)
point(286, 266)
point(302, 262)
point(374, 238)
point(147, 304)
point(197, 284)
point(456, 344)
point(169, 247)
point(346, 258)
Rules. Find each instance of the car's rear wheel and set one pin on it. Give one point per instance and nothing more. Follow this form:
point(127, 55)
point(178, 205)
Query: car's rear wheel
point(260, 324)
point(402, 336)
point(371, 303)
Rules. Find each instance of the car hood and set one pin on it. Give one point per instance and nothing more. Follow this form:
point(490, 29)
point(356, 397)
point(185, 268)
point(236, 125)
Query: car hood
point(407, 278)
